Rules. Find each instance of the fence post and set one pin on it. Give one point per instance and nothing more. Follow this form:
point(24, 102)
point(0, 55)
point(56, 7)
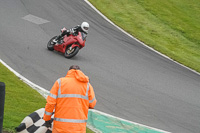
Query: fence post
point(2, 101)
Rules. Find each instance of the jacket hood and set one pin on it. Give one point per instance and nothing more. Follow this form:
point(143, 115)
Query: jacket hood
point(79, 75)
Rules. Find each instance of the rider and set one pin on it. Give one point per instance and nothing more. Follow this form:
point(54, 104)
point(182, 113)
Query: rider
point(79, 28)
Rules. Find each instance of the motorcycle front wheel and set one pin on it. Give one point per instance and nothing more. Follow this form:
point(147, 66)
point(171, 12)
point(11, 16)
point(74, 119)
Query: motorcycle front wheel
point(51, 44)
point(71, 52)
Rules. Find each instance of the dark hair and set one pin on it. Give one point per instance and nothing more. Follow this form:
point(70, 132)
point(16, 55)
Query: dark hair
point(76, 67)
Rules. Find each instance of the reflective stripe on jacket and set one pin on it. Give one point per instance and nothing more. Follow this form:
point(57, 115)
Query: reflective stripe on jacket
point(71, 97)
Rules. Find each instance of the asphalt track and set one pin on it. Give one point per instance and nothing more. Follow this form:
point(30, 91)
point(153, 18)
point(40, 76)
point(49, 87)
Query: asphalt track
point(130, 80)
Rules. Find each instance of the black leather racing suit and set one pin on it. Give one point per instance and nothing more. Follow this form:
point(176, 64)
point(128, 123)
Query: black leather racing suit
point(74, 31)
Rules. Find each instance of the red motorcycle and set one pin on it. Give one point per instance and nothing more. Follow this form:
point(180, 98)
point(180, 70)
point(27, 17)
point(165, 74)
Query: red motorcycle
point(68, 45)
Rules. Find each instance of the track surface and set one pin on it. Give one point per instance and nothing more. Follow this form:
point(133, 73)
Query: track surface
point(130, 81)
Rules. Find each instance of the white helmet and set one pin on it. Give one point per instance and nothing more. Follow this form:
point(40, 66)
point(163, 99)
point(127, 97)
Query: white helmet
point(85, 26)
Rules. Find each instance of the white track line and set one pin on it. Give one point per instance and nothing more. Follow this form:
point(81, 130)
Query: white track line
point(45, 93)
point(41, 90)
point(137, 39)
point(145, 46)
point(108, 115)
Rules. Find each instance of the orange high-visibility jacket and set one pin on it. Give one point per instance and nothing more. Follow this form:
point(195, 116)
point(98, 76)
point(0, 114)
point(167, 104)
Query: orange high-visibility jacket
point(71, 97)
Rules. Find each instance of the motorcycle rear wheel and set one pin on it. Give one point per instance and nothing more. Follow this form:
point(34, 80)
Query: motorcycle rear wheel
point(71, 52)
point(51, 44)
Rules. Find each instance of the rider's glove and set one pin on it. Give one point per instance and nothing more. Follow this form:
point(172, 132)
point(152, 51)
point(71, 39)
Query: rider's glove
point(48, 123)
point(71, 31)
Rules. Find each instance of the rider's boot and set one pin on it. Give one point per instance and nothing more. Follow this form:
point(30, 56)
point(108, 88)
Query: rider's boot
point(56, 40)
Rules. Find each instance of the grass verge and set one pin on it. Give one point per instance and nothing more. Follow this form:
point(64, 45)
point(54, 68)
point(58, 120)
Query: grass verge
point(170, 27)
point(20, 100)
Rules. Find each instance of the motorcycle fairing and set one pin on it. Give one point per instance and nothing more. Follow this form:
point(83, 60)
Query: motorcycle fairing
point(76, 41)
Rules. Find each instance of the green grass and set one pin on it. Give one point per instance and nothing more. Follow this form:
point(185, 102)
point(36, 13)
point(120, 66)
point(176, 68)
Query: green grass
point(20, 100)
point(171, 27)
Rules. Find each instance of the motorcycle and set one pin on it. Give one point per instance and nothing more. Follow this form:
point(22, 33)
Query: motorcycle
point(68, 45)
